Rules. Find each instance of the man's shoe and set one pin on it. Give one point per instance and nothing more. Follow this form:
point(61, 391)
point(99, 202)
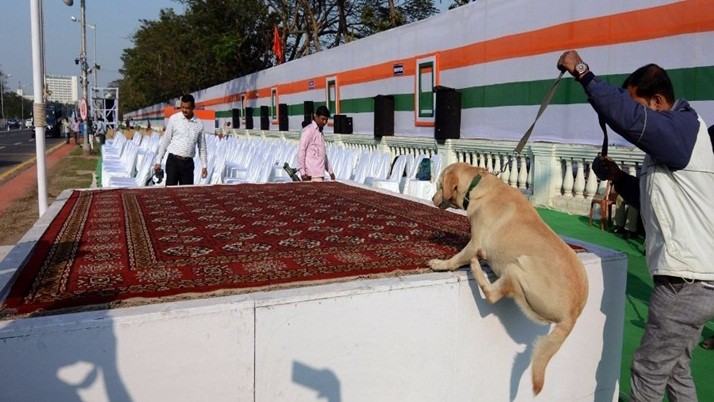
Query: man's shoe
point(708, 343)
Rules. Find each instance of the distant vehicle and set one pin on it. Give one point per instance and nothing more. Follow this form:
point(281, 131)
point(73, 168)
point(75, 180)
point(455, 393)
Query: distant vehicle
point(28, 123)
point(53, 123)
point(13, 124)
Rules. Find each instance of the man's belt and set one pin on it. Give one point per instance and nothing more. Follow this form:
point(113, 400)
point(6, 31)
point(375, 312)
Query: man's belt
point(182, 158)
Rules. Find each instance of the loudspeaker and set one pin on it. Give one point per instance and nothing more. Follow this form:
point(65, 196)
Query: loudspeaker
point(308, 109)
point(249, 118)
point(347, 127)
point(447, 117)
point(264, 118)
point(282, 117)
point(338, 123)
point(383, 115)
point(235, 118)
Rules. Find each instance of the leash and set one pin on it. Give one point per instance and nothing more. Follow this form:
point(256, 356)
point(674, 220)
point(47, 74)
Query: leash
point(546, 101)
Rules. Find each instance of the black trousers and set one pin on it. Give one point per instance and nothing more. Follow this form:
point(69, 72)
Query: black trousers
point(179, 170)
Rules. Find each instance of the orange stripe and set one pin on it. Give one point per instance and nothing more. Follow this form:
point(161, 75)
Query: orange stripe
point(683, 17)
point(679, 18)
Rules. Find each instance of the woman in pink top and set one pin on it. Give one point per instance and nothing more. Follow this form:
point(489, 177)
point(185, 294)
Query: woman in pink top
point(312, 157)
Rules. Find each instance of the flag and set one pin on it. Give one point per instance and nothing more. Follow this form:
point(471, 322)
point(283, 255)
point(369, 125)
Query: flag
point(277, 45)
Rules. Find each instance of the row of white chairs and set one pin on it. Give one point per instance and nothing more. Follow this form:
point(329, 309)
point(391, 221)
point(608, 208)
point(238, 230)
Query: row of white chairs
point(234, 160)
point(127, 163)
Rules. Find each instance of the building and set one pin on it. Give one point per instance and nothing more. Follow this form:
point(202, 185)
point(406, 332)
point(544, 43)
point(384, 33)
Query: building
point(62, 88)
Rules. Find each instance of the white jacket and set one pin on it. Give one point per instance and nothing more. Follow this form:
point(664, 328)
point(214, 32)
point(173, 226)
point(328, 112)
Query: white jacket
point(677, 209)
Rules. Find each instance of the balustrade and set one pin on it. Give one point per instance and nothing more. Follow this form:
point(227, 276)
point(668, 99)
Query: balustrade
point(555, 175)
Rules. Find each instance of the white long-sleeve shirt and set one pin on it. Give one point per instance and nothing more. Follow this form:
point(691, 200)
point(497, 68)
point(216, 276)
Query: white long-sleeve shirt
point(181, 137)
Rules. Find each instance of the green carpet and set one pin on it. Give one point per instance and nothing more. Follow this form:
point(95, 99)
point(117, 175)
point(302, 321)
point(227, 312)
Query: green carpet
point(639, 287)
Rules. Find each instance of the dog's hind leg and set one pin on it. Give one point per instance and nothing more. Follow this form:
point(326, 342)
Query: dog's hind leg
point(493, 291)
point(462, 258)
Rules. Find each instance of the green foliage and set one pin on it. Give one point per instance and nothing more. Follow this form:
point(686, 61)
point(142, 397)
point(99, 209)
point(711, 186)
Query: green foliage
point(377, 16)
point(213, 42)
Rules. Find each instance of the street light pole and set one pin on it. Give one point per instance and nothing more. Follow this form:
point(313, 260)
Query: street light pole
point(2, 94)
point(85, 81)
point(85, 67)
point(38, 106)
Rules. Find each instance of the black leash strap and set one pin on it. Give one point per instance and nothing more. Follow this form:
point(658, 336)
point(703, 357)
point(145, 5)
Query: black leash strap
point(603, 127)
point(546, 101)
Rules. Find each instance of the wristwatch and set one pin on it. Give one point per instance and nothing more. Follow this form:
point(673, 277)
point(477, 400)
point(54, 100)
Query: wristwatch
point(581, 68)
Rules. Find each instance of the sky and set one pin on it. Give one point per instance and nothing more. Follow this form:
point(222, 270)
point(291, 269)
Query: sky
point(116, 21)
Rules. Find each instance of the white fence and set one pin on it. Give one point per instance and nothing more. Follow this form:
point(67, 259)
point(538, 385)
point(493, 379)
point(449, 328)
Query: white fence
point(549, 174)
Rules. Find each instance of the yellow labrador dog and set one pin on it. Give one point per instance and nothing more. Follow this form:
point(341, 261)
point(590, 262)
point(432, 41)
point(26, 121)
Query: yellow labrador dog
point(534, 266)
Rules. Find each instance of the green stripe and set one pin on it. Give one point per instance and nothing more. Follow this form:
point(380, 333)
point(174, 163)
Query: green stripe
point(693, 84)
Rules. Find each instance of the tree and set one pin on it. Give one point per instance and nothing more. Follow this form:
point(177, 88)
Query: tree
point(213, 42)
point(375, 16)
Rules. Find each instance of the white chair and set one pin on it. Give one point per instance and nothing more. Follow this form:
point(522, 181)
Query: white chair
point(392, 182)
point(425, 189)
point(142, 174)
point(380, 169)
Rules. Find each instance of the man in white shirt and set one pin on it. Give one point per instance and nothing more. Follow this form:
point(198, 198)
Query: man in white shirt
point(183, 133)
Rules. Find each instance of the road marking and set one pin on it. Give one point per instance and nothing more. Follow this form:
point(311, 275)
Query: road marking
point(17, 143)
point(3, 146)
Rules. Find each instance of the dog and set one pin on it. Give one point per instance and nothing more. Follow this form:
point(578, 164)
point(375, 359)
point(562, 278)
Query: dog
point(534, 266)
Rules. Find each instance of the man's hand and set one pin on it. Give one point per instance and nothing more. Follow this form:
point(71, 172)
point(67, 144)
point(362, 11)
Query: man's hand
point(606, 169)
point(332, 176)
point(304, 177)
point(204, 173)
point(568, 61)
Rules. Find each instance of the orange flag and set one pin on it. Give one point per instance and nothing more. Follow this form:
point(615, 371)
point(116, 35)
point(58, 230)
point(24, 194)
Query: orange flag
point(277, 45)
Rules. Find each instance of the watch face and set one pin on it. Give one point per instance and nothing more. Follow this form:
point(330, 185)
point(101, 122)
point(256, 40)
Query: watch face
point(581, 68)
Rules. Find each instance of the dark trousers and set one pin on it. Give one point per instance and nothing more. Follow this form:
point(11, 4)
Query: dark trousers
point(179, 170)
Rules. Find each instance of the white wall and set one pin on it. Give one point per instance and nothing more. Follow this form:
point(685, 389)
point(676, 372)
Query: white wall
point(428, 337)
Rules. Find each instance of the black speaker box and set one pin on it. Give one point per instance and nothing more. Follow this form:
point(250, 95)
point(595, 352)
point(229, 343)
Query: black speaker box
point(338, 123)
point(308, 110)
point(447, 117)
point(264, 118)
point(235, 116)
point(347, 127)
point(282, 117)
point(383, 115)
point(249, 118)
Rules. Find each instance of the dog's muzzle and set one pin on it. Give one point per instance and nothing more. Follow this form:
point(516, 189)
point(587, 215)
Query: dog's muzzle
point(444, 204)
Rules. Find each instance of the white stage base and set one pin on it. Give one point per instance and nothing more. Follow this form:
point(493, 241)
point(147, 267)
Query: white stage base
point(428, 337)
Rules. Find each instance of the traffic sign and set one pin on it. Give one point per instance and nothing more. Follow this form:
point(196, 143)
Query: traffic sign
point(83, 109)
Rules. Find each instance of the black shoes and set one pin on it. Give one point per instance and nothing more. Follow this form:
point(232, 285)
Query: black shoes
point(708, 343)
point(624, 233)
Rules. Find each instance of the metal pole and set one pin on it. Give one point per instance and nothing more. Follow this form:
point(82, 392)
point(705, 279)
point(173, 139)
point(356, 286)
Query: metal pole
point(38, 74)
point(85, 81)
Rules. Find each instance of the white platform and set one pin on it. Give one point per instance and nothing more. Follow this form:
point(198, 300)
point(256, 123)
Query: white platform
point(427, 337)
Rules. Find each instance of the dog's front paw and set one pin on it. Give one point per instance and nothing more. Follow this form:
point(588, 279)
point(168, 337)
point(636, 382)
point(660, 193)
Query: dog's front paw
point(439, 265)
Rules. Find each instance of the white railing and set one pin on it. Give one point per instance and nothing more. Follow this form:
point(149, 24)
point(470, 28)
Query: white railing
point(549, 174)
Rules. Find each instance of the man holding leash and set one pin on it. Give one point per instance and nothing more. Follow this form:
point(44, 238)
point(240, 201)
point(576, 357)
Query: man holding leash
point(674, 195)
point(312, 156)
point(183, 133)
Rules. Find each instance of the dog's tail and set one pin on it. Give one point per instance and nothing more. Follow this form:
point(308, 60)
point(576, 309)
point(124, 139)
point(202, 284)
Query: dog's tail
point(545, 347)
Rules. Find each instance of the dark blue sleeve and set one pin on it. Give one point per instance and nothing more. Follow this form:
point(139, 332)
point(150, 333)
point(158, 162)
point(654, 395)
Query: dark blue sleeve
point(628, 187)
point(668, 137)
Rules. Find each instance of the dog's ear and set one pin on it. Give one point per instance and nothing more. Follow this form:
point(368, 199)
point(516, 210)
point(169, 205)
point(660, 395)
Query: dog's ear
point(448, 184)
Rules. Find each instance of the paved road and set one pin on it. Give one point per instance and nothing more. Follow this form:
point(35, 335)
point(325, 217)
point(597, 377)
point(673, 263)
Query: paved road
point(16, 146)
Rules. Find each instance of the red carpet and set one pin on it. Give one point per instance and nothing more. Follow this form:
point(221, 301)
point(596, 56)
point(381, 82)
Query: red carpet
point(111, 245)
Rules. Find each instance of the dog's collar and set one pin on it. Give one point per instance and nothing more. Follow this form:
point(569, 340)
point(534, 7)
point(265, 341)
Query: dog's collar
point(474, 183)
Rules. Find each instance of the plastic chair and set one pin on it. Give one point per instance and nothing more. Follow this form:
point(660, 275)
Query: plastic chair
point(605, 201)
